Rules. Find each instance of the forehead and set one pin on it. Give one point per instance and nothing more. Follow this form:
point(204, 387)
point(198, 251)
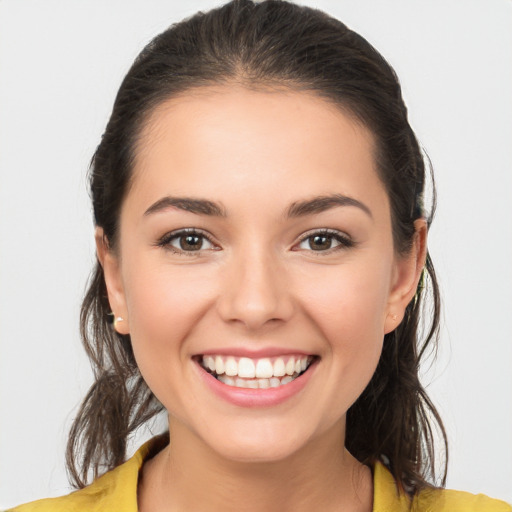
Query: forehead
point(254, 141)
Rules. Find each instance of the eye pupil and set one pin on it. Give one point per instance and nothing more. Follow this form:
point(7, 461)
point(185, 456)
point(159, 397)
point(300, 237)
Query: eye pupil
point(320, 242)
point(191, 242)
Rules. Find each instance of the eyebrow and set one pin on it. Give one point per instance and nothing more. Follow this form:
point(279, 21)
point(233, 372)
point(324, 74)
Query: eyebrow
point(323, 203)
point(298, 209)
point(198, 206)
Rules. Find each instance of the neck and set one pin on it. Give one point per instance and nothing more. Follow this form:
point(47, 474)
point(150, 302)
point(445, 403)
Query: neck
point(188, 474)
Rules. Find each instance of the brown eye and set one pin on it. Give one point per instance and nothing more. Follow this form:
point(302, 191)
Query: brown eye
point(325, 241)
point(186, 242)
point(320, 242)
point(190, 242)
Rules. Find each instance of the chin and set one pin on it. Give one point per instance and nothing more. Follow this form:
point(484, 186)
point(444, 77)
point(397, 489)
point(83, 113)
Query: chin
point(258, 445)
point(257, 453)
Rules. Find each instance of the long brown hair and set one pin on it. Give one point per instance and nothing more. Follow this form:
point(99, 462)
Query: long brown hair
point(267, 43)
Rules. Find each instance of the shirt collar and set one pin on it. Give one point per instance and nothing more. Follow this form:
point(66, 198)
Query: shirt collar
point(120, 485)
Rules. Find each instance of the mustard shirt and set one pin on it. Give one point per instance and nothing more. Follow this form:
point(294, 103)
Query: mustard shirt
point(116, 491)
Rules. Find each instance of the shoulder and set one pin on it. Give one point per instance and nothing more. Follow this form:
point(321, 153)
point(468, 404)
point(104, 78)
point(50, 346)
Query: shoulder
point(115, 490)
point(445, 500)
point(94, 498)
point(387, 498)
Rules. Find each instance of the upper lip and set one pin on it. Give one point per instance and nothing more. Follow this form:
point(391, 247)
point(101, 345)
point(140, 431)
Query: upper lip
point(256, 353)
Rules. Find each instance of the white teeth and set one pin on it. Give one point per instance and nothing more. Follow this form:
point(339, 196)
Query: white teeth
point(231, 367)
point(209, 363)
point(274, 382)
point(279, 368)
point(240, 383)
point(268, 373)
point(246, 368)
point(226, 380)
point(219, 365)
point(264, 369)
point(290, 366)
point(263, 383)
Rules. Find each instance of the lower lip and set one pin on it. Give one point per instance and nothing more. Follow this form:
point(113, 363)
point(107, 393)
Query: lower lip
point(248, 397)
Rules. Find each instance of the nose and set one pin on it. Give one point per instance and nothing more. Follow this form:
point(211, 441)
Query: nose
point(255, 291)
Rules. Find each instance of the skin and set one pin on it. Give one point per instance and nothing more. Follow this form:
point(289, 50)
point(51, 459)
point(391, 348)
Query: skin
point(257, 284)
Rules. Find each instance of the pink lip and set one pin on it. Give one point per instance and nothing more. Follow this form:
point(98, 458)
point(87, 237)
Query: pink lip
point(254, 354)
point(245, 397)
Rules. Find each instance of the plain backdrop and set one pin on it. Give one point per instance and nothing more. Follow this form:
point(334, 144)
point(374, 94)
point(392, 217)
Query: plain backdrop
point(61, 63)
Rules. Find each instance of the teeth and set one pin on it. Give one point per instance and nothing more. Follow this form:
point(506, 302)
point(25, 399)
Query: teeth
point(275, 382)
point(290, 366)
point(246, 368)
point(266, 371)
point(263, 383)
point(240, 383)
point(279, 368)
point(219, 366)
point(209, 362)
point(226, 380)
point(231, 367)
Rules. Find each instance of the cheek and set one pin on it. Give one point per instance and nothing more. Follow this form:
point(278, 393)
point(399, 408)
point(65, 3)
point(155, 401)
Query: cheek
point(165, 304)
point(350, 307)
point(351, 300)
point(160, 296)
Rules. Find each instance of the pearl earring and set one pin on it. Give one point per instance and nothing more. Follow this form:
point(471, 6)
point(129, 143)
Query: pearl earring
point(116, 321)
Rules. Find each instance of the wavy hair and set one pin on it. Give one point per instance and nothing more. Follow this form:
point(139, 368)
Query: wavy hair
point(269, 43)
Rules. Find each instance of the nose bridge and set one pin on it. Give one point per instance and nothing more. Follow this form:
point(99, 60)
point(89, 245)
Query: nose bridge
point(255, 289)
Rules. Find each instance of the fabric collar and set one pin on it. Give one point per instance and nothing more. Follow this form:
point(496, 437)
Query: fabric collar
point(119, 486)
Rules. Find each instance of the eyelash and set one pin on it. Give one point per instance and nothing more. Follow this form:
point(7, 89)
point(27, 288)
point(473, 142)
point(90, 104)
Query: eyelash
point(165, 241)
point(344, 242)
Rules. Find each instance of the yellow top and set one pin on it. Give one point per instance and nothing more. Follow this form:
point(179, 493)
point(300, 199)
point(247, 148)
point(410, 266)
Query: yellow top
point(116, 491)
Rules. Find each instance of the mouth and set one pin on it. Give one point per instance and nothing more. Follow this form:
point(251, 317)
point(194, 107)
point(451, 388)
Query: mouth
point(262, 373)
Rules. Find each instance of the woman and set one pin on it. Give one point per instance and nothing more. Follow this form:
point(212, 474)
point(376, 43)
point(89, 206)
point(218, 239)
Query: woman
point(262, 253)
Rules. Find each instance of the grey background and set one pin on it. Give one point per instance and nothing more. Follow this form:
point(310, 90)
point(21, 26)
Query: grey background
point(60, 66)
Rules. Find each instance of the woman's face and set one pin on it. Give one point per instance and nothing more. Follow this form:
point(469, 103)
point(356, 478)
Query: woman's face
point(256, 242)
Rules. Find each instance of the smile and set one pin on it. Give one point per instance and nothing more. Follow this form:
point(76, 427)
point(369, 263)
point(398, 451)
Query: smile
point(263, 373)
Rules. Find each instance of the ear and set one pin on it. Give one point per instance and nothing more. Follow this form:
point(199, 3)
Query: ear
point(407, 273)
point(112, 274)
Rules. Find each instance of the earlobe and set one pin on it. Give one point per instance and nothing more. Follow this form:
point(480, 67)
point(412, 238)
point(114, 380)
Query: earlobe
point(407, 275)
point(113, 281)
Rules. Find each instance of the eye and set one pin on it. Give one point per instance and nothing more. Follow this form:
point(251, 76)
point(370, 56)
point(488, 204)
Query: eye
point(186, 241)
point(325, 241)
